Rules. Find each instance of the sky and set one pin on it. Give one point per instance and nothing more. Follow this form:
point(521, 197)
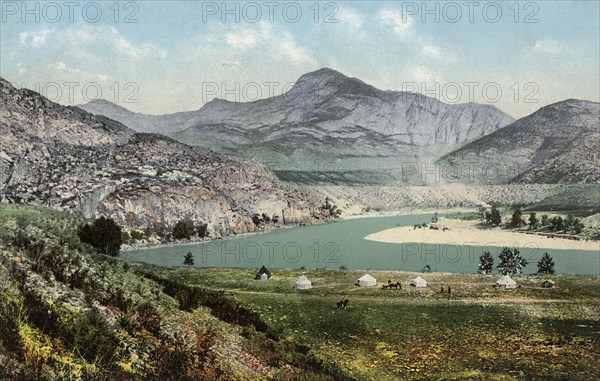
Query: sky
point(160, 57)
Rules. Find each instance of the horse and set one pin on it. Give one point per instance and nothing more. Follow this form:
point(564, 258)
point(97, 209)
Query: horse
point(342, 304)
point(391, 285)
point(396, 285)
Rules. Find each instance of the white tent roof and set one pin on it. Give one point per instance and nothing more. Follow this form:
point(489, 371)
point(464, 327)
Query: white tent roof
point(366, 280)
point(303, 282)
point(419, 282)
point(506, 280)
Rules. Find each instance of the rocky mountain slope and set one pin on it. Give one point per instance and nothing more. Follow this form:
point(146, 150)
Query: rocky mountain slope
point(66, 158)
point(559, 143)
point(325, 115)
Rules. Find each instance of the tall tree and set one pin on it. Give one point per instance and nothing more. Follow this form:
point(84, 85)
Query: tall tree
point(533, 221)
point(511, 262)
point(496, 217)
point(545, 265)
point(517, 218)
point(486, 263)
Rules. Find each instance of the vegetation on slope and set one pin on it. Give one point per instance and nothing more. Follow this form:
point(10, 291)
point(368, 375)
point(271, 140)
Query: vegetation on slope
point(68, 312)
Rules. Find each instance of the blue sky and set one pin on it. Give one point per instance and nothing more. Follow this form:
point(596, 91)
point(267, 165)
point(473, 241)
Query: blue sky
point(162, 57)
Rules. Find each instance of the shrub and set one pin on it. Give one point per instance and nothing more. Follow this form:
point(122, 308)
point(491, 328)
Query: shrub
point(103, 234)
point(183, 229)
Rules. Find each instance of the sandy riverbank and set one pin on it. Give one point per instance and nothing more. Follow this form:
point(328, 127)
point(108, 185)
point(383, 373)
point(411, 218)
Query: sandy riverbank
point(467, 233)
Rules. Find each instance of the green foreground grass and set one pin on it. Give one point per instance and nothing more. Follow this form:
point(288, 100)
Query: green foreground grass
point(475, 333)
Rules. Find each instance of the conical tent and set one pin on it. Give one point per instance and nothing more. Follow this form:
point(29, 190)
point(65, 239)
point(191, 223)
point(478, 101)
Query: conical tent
point(506, 282)
point(303, 283)
point(418, 282)
point(366, 280)
point(263, 270)
point(548, 283)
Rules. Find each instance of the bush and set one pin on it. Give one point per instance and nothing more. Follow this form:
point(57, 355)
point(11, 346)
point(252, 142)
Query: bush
point(103, 234)
point(183, 229)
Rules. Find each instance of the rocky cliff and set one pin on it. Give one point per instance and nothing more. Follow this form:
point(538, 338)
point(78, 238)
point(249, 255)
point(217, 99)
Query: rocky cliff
point(67, 158)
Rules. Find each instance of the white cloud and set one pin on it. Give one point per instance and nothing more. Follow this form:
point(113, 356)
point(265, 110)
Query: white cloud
point(274, 42)
point(402, 24)
point(61, 66)
point(21, 69)
point(547, 46)
point(432, 51)
point(350, 17)
point(436, 52)
point(422, 74)
point(35, 40)
point(136, 52)
point(288, 49)
point(242, 40)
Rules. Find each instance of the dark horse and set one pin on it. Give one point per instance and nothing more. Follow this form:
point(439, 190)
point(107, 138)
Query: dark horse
point(342, 304)
point(391, 285)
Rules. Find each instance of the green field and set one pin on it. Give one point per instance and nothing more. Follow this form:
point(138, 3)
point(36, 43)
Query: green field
point(475, 333)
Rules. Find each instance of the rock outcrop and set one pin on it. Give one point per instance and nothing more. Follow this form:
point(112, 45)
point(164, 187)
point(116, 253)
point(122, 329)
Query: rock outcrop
point(66, 158)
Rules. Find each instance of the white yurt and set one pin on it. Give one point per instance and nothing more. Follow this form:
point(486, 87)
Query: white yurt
point(548, 283)
point(366, 280)
point(264, 277)
point(506, 282)
point(418, 282)
point(303, 283)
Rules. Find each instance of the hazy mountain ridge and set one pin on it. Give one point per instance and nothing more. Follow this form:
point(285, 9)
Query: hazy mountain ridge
point(66, 158)
point(326, 114)
point(559, 143)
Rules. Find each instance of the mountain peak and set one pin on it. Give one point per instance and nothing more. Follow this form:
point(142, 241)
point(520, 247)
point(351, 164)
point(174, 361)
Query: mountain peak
point(329, 81)
point(101, 105)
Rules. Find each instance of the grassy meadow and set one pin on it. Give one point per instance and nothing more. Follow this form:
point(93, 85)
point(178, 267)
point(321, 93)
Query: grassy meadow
point(476, 332)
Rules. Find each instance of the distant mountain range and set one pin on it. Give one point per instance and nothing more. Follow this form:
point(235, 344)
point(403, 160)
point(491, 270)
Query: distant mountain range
point(325, 116)
point(558, 144)
point(67, 158)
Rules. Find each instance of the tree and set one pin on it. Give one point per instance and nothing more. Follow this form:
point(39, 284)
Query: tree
point(496, 217)
point(533, 221)
point(266, 218)
point(435, 218)
point(517, 218)
point(331, 208)
point(546, 265)
point(104, 234)
point(569, 221)
point(275, 218)
point(511, 262)
point(488, 217)
point(545, 221)
point(202, 230)
point(578, 226)
point(486, 263)
point(557, 224)
point(256, 219)
point(184, 229)
point(482, 210)
point(188, 259)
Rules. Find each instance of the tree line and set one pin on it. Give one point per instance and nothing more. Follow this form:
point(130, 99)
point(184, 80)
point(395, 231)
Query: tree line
point(511, 262)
